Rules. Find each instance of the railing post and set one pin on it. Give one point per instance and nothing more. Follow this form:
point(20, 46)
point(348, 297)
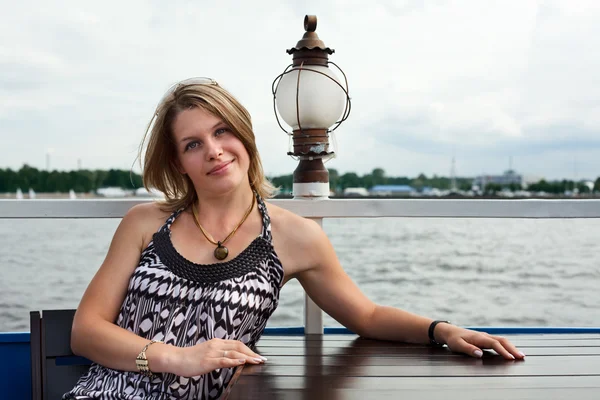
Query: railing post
point(313, 315)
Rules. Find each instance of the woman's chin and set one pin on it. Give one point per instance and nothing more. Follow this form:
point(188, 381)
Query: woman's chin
point(225, 185)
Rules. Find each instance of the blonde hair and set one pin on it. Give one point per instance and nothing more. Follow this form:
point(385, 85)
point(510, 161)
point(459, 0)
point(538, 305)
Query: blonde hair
point(159, 165)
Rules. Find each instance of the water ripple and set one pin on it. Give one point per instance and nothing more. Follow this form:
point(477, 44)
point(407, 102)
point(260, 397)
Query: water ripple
point(470, 271)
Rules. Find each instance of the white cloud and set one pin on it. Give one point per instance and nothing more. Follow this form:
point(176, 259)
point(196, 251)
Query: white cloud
point(482, 78)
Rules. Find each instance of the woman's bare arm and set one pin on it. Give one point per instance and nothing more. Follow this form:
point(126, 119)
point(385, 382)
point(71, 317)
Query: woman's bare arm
point(95, 334)
point(331, 288)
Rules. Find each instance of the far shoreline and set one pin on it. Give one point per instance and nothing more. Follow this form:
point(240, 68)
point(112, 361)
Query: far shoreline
point(90, 196)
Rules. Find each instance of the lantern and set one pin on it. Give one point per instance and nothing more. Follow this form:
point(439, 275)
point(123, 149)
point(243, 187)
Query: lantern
point(313, 100)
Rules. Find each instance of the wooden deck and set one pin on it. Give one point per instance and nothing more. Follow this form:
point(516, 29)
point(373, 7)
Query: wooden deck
point(560, 366)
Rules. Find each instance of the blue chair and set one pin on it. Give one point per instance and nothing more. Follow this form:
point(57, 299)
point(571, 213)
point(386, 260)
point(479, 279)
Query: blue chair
point(54, 367)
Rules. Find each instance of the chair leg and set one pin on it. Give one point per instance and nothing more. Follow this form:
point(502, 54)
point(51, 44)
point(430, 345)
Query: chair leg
point(36, 354)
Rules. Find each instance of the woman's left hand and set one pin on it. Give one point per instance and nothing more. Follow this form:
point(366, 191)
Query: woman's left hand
point(472, 342)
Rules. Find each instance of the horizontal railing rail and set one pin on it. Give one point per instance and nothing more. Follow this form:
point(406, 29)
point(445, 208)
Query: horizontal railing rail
point(329, 208)
point(332, 208)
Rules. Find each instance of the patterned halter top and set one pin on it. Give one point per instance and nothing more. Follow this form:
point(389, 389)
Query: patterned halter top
point(174, 300)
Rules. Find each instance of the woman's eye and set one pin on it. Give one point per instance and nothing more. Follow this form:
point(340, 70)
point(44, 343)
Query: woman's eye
point(191, 145)
point(220, 131)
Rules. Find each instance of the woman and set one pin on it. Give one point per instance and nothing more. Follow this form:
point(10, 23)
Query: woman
point(188, 285)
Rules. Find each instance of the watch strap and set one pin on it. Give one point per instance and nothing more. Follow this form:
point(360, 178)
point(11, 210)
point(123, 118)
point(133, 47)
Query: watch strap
point(430, 333)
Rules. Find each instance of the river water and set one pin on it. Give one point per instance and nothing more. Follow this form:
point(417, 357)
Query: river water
point(504, 272)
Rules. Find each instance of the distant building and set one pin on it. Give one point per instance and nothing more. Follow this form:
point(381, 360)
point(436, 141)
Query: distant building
point(355, 192)
point(390, 190)
point(111, 192)
point(507, 178)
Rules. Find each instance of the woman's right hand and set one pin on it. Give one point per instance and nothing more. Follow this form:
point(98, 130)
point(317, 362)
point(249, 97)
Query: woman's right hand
point(211, 355)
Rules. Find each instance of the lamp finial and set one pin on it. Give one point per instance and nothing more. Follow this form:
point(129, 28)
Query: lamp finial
point(310, 23)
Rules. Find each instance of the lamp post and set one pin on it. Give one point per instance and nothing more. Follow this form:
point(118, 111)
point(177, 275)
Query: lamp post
point(311, 99)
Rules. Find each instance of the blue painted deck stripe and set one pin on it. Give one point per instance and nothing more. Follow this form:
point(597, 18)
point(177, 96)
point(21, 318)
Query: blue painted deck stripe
point(24, 337)
point(489, 329)
point(15, 337)
point(534, 330)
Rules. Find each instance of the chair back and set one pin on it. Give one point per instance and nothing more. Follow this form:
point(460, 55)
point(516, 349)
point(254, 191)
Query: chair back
point(54, 367)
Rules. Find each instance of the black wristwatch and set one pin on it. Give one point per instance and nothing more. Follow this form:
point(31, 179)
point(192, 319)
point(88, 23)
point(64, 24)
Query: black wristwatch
point(432, 340)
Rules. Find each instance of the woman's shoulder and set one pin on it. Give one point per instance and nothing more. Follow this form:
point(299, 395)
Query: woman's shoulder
point(148, 210)
point(292, 225)
point(146, 217)
point(300, 242)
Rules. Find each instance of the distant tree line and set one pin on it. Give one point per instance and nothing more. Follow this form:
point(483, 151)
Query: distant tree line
point(557, 187)
point(91, 180)
point(81, 181)
point(339, 182)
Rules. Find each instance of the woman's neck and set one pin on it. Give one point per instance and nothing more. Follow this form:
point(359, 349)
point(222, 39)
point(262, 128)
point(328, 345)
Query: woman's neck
point(225, 209)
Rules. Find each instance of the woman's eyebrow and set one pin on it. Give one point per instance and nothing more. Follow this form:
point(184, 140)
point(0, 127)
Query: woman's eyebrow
point(213, 128)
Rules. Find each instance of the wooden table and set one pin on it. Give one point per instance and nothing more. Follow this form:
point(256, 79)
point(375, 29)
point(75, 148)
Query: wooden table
point(560, 366)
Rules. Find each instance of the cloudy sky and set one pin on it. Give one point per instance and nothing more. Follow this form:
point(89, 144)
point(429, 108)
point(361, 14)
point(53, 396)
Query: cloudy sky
point(485, 81)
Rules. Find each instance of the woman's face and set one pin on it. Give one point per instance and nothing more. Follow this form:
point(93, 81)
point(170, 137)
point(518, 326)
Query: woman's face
point(209, 153)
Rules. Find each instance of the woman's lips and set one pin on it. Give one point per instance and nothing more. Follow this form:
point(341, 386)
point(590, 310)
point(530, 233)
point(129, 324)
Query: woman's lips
point(220, 168)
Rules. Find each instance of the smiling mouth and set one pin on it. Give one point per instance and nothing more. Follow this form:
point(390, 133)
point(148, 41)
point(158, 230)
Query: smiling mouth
point(220, 168)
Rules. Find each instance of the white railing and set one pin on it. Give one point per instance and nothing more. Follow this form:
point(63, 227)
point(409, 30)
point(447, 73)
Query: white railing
point(331, 208)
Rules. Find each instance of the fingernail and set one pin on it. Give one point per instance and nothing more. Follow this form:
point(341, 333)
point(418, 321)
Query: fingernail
point(511, 356)
point(242, 361)
point(263, 358)
point(257, 360)
point(522, 354)
point(478, 353)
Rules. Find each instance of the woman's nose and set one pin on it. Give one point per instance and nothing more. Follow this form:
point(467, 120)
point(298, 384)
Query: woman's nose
point(213, 149)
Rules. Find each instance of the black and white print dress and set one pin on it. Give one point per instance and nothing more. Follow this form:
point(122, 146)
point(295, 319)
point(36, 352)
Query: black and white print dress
point(181, 303)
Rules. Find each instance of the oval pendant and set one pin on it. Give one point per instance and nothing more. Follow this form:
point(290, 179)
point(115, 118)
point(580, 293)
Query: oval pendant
point(221, 253)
